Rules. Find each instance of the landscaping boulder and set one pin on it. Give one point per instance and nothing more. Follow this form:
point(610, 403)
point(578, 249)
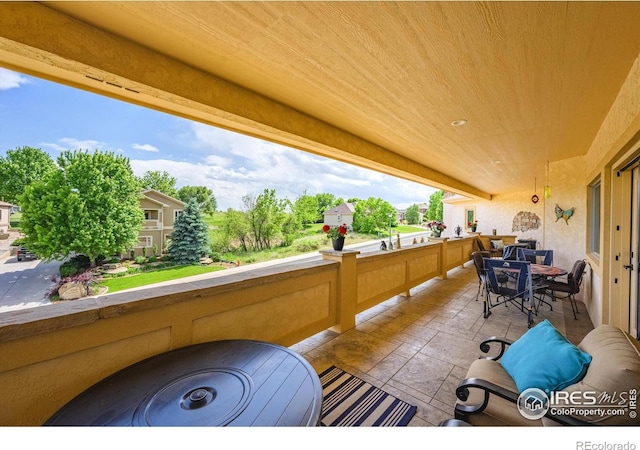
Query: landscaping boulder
point(72, 291)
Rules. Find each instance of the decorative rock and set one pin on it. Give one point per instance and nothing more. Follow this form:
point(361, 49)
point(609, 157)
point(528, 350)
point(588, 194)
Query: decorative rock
point(111, 266)
point(72, 291)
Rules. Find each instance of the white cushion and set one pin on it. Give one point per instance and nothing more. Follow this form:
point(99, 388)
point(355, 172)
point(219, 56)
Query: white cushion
point(498, 245)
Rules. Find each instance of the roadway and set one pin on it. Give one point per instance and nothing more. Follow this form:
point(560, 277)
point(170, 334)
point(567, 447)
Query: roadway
point(23, 284)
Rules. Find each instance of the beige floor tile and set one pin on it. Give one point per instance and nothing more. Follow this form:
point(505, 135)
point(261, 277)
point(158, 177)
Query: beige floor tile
point(419, 348)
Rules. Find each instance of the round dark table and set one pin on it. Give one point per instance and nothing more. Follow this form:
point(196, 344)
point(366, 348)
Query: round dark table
point(219, 383)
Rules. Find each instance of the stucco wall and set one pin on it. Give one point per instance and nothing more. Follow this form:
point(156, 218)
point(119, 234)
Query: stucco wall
point(51, 354)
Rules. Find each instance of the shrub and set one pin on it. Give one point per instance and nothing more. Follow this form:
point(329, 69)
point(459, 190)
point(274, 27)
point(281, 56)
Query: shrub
point(133, 270)
point(18, 242)
point(152, 259)
point(85, 278)
point(141, 260)
point(215, 257)
point(68, 269)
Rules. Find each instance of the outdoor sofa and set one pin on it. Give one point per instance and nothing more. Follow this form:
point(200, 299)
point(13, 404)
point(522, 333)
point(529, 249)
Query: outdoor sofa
point(610, 375)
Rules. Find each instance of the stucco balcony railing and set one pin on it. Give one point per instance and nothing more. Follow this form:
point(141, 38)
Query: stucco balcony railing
point(151, 225)
point(52, 353)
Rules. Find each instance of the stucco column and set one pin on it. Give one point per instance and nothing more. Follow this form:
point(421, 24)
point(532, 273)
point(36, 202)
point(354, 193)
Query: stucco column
point(347, 287)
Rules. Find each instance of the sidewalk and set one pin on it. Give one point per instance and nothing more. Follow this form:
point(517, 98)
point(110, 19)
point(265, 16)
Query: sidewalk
point(5, 244)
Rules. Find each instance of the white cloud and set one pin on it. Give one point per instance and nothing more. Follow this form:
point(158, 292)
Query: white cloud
point(234, 165)
point(145, 147)
point(11, 80)
point(74, 144)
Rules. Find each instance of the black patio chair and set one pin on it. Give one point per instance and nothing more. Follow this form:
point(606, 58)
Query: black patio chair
point(494, 252)
point(570, 287)
point(478, 262)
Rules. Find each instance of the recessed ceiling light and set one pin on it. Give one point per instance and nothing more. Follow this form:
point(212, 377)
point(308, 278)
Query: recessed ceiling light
point(458, 123)
point(496, 161)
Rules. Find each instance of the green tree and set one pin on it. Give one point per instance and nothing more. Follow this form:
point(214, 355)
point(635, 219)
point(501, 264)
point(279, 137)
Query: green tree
point(20, 168)
point(203, 195)
point(434, 210)
point(413, 214)
point(190, 237)
point(373, 215)
point(161, 181)
point(88, 205)
point(236, 227)
point(305, 209)
point(326, 201)
point(265, 214)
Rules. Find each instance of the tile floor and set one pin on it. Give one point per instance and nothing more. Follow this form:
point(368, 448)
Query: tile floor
point(419, 348)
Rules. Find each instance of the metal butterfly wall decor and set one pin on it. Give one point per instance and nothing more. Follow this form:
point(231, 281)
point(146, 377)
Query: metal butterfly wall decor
point(564, 214)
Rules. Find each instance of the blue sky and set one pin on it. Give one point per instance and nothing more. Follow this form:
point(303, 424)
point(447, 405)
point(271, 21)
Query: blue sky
point(53, 117)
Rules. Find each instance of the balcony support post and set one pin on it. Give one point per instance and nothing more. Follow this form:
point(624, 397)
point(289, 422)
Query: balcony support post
point(347, 287)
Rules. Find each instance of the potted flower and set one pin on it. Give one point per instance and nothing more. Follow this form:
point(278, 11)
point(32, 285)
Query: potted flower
point(336, 234)
point(473, 225)
point(436, 228)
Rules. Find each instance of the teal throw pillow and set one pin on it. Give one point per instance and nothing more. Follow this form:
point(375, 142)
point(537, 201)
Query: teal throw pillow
point(543, 358)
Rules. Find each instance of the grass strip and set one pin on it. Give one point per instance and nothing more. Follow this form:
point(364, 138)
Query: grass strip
point(156, 276)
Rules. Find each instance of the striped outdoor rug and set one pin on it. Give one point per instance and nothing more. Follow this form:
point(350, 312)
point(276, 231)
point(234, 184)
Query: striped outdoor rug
point(352, 402)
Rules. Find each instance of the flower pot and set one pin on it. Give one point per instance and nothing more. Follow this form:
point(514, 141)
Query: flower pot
point(338, 243)
point(436, 233)
point(473, 228)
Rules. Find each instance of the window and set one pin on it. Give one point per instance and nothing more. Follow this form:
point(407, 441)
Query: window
point(176, 213)
point(145, 241)
point(594, 217)
point(469, 217)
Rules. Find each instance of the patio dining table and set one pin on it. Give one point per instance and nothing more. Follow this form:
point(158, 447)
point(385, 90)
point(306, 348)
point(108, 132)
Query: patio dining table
point(220, 383)
point(547, 271)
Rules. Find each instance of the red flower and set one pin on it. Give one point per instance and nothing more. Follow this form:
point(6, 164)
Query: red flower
point(335, 232)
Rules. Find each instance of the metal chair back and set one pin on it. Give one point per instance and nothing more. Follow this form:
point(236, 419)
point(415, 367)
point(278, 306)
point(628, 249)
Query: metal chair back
point(544, 257)
point(520, 274)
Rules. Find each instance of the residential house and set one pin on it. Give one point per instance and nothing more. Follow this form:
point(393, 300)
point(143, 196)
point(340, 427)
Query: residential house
point(160, 212)
point(340, 214)
point(5, 216)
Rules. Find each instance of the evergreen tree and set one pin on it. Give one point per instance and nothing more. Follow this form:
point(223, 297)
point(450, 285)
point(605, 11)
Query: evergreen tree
point(190, 237)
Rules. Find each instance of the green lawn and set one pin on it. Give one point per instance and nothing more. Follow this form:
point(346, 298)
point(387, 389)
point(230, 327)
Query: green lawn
point(157, 276)
point(14, 221)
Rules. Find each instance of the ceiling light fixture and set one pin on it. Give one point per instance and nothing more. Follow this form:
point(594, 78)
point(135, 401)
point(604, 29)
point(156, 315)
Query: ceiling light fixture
point(458, 123)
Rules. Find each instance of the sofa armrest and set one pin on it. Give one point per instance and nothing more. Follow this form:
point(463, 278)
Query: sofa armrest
point(489, 388)
point(485, 346)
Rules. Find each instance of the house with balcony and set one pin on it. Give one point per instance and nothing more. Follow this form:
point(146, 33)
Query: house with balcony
point(519, 109)
point(160, 212)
